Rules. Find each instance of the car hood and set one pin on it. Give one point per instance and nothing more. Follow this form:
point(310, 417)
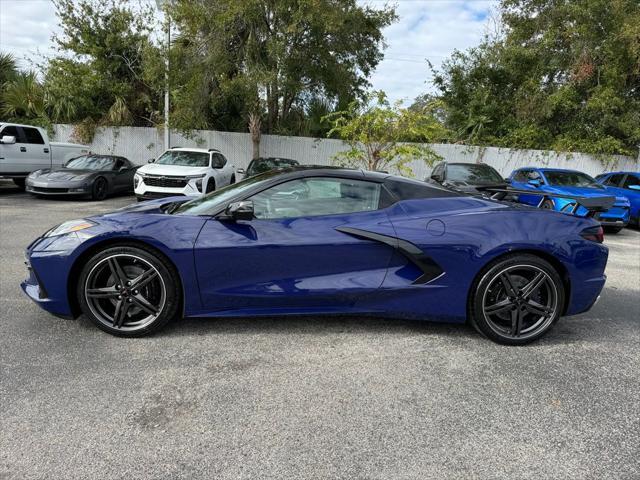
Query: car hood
point(172, 170)
point(62, 175)
point(589, 192)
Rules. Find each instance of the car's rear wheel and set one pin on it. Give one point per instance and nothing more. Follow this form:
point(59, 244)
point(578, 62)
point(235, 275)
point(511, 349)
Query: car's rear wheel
point(612, 229)
point(99, 189)
point(516, 299)
point(20, 182)
point(128, 291)
point(233, 180)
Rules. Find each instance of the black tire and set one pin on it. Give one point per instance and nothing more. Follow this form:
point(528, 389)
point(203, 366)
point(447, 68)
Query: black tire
point(211, 185)
point(502, 308)
point(145, 304)
point(233, 180)
point(20, 182)
point(99, 189)
point(612, 229)
point(547, 205)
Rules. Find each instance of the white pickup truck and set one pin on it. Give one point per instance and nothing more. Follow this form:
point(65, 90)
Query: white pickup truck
point(25, 148)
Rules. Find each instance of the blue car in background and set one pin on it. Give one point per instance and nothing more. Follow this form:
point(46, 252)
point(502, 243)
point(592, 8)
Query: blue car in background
point(573, 183)
point(627, 184)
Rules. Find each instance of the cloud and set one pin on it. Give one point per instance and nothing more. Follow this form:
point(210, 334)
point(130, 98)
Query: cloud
point(427, 29)
point(26, 27)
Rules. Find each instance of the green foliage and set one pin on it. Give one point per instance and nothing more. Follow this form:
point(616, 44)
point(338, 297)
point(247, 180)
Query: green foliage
point(565, 76)
point(379, 133)
point(101, 77)
point(279, 60)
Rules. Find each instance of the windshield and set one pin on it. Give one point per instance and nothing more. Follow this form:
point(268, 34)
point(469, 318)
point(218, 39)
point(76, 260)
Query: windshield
point(571, 179)
point(184, 159)
point(262, 165)
point(473, 174)
point(218, 199)
point(90, 162)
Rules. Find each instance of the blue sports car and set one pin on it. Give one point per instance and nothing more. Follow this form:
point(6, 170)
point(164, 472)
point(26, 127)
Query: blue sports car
point(322, 241)
point(627, 184)
point(573, 183)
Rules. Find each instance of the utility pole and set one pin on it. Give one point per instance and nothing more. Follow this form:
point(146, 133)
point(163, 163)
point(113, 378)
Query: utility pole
point(167, 138)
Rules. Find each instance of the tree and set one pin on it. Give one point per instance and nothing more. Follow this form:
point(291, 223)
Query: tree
point(100, 78)
point(563, 75)
point(272, 59)
point(378, 134)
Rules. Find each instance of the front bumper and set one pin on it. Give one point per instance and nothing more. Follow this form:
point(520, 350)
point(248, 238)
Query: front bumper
point(57, 191)
point(148, 192)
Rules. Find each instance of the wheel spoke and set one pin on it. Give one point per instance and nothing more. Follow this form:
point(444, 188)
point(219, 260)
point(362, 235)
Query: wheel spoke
point(498, 307)
point(120, 313)
point(533, 285)
point(142, 302)
point(117, 271)
point(144, 278)
point(516, 322)
point(510, 288)
point(537, 309)
point(106, 292)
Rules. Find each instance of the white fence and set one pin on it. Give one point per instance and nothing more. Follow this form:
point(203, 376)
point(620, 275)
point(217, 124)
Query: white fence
point(140, 144)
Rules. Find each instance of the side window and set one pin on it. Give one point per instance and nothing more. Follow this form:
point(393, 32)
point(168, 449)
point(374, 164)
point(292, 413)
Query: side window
point(521, 176)
point(308, 197)
point(533, 175)
point(118, 164)
point(11, 131)
point(631, 180)
point(614, 180)
point(33, 135)
point(218, 160)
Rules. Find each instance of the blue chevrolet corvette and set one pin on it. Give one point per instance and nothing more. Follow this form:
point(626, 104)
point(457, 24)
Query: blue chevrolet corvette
point(322, 241)
point(571, 183)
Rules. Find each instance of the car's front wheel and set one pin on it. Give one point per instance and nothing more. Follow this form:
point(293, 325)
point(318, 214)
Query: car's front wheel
point(516, 299)
point(99, 189)
point(128, 290)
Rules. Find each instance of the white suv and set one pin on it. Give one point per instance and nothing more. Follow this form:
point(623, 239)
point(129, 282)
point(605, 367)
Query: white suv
point(183, 171)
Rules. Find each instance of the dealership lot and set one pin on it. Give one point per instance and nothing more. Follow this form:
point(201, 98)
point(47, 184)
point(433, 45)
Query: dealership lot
point(312, 397)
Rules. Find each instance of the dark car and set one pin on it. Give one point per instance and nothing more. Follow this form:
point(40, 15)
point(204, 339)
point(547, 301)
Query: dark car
point(264, 164)
point(91, 175)
point(313, 241)
point(466, 177)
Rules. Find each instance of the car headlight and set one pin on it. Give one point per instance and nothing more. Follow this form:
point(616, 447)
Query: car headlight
point(191, 177)
point(70, 227)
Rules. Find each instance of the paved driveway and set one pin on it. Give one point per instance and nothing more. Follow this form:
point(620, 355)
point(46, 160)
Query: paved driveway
point(312, 397)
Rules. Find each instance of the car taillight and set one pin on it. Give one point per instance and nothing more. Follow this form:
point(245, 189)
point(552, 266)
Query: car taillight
point(595, 234)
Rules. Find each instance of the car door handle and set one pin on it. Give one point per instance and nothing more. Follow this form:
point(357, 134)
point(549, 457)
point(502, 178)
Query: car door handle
point(46, 150)
point(23, 149)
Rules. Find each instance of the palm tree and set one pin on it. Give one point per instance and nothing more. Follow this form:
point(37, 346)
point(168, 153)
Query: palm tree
point(8, 68)
point(23, 96)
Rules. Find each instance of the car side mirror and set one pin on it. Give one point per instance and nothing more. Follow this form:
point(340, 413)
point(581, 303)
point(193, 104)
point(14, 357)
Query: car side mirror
point(123, 169)
point(242, 210)
point(634, 187)
point(535, 182)
point(436, 177)
point(241, 171)
point(8, 139)
point(151, 160)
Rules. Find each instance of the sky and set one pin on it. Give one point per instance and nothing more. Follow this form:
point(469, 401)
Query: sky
point(426, 30)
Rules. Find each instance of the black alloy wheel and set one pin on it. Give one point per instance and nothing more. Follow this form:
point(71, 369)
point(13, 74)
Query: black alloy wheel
point(128, 291)
point(517, 299)
point(99, 189)
point(211, 185)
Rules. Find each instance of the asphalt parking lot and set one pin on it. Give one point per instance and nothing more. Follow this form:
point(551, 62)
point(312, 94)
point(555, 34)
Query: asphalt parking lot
point(312, 397)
